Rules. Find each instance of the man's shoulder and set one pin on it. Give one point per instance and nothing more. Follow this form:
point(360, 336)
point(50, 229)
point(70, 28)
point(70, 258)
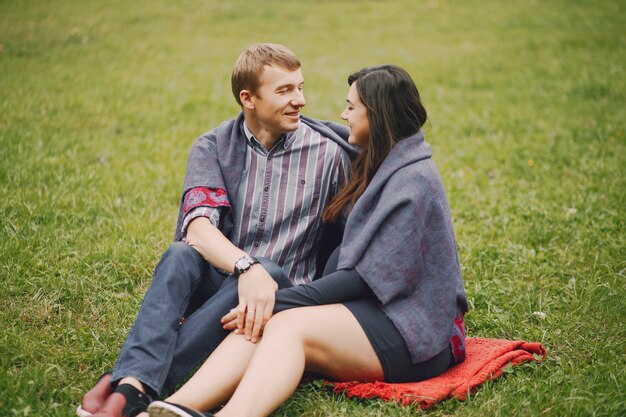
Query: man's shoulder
point(332, 145)
point(333, 133)
point(223, 129)
point(206, 141)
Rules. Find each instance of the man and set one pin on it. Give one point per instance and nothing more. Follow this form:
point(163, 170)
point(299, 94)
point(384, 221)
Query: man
point(255, 186)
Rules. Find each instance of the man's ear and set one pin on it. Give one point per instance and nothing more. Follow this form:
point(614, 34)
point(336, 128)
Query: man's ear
point(246, 99)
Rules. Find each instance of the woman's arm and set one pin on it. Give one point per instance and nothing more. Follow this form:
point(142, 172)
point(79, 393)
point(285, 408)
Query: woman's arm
point(337, 287)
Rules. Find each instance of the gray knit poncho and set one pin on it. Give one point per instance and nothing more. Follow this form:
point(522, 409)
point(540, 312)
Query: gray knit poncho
point(399, 238)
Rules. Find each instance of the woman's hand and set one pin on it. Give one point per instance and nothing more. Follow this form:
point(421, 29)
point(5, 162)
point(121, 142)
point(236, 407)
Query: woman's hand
point(229, 321)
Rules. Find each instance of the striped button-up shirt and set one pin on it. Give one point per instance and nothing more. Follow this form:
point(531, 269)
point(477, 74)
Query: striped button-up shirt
point(280, 200)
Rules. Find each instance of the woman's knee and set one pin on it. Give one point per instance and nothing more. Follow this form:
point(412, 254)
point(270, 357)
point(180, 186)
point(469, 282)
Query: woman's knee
point(282, 324)
point(299, 325)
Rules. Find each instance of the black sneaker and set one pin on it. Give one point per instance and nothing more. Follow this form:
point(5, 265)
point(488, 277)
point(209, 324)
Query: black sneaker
point(165, 409)
point(126, 401)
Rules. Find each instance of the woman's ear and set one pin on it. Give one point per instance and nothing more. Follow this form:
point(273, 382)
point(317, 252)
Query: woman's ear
point(245, 96)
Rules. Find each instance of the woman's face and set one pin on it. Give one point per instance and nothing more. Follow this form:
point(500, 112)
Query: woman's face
point(355, 116)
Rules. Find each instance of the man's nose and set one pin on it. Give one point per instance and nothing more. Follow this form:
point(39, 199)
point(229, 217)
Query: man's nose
point(298, 99)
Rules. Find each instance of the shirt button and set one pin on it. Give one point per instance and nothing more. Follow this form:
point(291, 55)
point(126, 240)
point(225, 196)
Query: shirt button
point(266, 188)
point(262, 219)
point(302, 182)
point(256, 245)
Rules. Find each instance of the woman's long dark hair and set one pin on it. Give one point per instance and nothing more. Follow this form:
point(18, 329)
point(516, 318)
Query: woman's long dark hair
point(394, 112)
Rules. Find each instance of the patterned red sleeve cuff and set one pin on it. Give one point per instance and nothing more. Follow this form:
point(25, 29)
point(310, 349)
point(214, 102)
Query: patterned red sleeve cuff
point(203, 196)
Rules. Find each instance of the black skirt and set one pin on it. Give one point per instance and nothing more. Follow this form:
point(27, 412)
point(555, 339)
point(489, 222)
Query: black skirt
point(390, 348)
point(347, 287)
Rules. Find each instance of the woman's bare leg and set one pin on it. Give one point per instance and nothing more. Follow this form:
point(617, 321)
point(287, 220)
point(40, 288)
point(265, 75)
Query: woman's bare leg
point(218, 377)
point(325, 339)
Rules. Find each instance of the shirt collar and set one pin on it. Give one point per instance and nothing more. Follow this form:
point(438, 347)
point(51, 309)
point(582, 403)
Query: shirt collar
point(286, 140)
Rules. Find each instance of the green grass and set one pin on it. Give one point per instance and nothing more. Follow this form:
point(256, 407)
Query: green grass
point(100, 101)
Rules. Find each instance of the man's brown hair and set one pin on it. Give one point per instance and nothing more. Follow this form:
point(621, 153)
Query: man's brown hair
point(249, 67)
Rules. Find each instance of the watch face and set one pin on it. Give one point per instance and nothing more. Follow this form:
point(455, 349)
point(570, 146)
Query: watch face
point(243, 263)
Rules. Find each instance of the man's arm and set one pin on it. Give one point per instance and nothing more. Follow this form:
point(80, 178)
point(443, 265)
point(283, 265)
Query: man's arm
point(204, 237)
point(256, 287)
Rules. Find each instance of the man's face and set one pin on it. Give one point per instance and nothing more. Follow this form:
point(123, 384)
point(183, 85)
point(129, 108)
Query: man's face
point(278, 100)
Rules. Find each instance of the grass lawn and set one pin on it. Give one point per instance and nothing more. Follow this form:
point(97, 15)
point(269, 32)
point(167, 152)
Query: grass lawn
point(100, 102)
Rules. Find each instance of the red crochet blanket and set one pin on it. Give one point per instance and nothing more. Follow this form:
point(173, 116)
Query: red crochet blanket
point(485, 360)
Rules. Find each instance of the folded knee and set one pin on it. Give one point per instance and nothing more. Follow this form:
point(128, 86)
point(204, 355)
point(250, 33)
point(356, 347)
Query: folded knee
point(178, 263)
point(180, 251)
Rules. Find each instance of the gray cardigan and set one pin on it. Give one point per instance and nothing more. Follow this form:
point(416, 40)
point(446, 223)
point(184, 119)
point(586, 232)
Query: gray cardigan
point(399, 238)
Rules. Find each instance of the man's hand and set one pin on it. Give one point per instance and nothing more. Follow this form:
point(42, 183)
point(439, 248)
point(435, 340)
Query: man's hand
point(257, 292)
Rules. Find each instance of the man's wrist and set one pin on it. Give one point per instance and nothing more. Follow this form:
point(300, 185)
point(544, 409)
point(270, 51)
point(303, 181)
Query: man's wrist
point(244, 264)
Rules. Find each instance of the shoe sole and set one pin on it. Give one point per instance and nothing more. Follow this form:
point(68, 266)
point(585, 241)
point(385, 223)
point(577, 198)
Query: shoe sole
point(163, 409)
point(80, 412)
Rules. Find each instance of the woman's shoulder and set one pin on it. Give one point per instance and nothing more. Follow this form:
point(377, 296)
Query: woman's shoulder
point(418, 175)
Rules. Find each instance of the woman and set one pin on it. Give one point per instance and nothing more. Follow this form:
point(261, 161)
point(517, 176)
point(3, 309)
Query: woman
point(392, 309)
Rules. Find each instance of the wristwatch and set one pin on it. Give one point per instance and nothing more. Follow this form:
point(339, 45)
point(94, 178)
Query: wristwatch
point(244, 263)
